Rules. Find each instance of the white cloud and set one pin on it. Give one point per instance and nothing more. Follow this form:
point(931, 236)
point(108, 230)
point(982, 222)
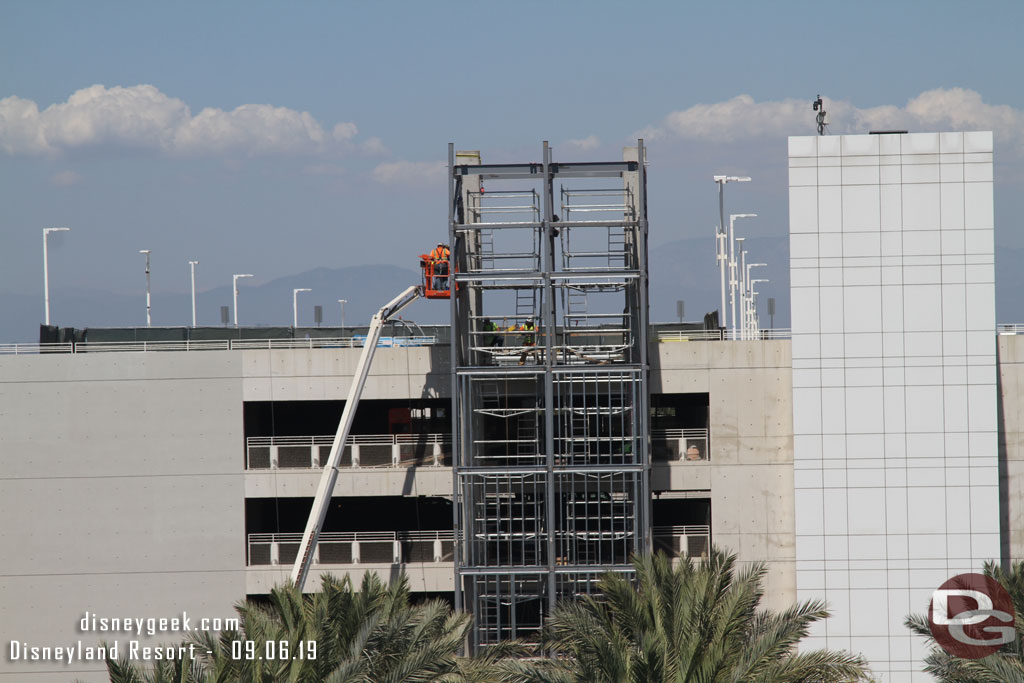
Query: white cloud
point(584, 144)
point(65, 179)
point(417, 173)
point(344, 131)
point(20, 132)
point(142, 117)
point(743, 118)
point(373, 147)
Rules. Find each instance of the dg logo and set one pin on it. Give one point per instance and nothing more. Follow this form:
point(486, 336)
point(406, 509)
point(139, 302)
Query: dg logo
point(971, 616)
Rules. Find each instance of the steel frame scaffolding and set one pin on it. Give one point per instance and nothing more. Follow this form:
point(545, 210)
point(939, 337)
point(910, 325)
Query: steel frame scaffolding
point(549, 382)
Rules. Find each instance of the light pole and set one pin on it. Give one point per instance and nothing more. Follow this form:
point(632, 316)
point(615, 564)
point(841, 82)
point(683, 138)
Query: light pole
point(749, 293)
point(46, 270)
point(737, 332)
point(755, 323)
point(732, 261)
point(295, 305)
point(723, 258)
point(193, 265)
point(149, 319)
point(342, 302)
point(722, 180)
point(234, 289)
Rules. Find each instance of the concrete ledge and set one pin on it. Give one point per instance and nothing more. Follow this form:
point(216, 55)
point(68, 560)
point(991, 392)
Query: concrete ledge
point(681, 475)
point(434, 577)
point(406, 481)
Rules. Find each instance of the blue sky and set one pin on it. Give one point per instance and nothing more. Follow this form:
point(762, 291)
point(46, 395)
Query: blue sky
point(272, 139)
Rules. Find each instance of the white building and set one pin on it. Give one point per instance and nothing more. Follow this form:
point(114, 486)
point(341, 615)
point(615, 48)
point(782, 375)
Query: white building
point(894, 379)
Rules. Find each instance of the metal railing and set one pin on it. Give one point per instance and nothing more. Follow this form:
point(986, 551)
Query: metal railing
point(680, 444)
point(198, 345)
point(663, 336)
point(33, 349)
point(719, 335)
point(402, 547)
point(354, 547)
point(691, 540)
point(353, 342)
point(361, 451)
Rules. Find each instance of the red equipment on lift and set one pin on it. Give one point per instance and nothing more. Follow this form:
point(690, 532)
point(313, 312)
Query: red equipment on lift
point(435, 273)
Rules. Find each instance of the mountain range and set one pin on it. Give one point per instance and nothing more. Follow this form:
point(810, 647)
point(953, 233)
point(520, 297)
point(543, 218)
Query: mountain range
point(679, 270)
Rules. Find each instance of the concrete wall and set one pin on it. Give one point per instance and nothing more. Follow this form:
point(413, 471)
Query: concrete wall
point(1010, 354)
point(122, 495)
point(326, 374)
point(750, 470)
point(406, 481)
point(123, 489)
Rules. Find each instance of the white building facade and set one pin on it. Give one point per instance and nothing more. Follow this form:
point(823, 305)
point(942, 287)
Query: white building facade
point(894, 380)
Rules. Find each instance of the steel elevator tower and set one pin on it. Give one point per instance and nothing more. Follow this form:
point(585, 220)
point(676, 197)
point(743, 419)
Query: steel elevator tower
point(549, 382)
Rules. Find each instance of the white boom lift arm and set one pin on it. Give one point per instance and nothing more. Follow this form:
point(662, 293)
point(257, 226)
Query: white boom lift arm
point(307, 550)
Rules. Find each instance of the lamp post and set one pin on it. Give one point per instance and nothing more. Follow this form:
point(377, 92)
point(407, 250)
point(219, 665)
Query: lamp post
point(737, 263)
point(295, 305)
point(193, 265)
point(342, 302)
point(234, 289)
point(723, 260)
point(732, 262)
point(149, 319)
point(749, 316)
point(722, 180)
point(755, 323)
point(46, 269)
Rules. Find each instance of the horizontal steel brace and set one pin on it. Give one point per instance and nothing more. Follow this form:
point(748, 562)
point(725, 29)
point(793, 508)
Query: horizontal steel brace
point(470, 227)
point(530, 275)
point(501, 225)
point(584, 371)
point(594, 169)
point(636, 468)
point(576, 277)
point(498, 371)
point(499, 470)
point(595, 224)
point(560, 569)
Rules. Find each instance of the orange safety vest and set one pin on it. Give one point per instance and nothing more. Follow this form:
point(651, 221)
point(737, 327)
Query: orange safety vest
point(440, 254)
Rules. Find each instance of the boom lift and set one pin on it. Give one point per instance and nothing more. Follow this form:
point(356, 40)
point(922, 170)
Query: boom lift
point(430, 289)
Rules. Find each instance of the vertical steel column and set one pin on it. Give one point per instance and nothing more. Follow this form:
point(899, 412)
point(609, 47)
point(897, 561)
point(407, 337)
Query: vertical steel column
point(548, 304)
point(454, 356)
point(643, 409)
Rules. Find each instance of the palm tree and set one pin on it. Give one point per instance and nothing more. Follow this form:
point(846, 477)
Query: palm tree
point(1005, 666)
point(697, 622)
point(374, 633)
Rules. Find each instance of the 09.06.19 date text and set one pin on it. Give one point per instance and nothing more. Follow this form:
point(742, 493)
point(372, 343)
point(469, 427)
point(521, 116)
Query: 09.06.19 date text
point(277, 650)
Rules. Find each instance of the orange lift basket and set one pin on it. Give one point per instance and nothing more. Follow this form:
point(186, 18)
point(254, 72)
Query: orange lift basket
point(435, 275)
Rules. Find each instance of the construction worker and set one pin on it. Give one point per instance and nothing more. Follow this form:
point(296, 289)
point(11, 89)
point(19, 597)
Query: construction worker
point(529, 341)
point(439, 258)
point(527, 327)
point(493, 339)
point(440, 252)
